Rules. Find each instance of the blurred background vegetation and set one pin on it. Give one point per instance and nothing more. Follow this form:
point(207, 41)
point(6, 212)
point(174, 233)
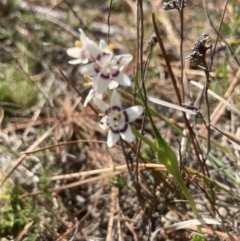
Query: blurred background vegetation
point(39, 111)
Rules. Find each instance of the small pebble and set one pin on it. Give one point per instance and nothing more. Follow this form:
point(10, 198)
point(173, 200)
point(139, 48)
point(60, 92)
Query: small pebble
point(223, 212)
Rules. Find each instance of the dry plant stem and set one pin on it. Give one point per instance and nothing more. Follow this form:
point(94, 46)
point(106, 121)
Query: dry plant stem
point(106, 172)
point(114, 193)
point(144, 116)
point(80, 94)
point(185, 137)
point(181, 15)
point(108, 20)
point(208, 126)
point(207, 70)
point(49, 227)
point(162, 17)
point(213, 232)
point(132, 5)
point(221, 107)
point(191, 133)
point(229, 135)
point(235, 82)
point(218, 31)
point(62, 144)
point(25, 229)
point(129, 165)
point(131, 229)
point(206, 87)
point(119, 232)
point(139, 60)
point(72, 230)
point(76, 16)
point(207, 84)
point(31, 148)
point(70, 143)
point(213, 182)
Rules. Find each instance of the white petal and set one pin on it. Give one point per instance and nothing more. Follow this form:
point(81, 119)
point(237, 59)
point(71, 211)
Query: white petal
point(85, 61)
point(74, 52)
point(100, 104)
point(115, 99)
point(102, 85)
point(90, 95)
point(80, 54)
point(124, 59)
point(128, 135)
point(112, 138)
point(113, 84)
point(104, 46)
point(93, 49)
point(88, 69)
point(103, 123)
point(75, 61)
point(123, 79)
point(134, 112)
point(83, 37)
point(99, 96)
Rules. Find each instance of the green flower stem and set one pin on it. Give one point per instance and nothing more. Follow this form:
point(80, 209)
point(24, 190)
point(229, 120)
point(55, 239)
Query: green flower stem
point(144, 139)
point(167, 157)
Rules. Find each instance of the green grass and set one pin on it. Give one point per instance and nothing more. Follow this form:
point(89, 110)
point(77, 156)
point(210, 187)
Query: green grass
point(15, 88)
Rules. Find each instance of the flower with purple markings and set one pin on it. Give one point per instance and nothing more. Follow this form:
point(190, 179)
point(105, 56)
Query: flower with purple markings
point(93, 93)
point(117, 120)
point(107, 66)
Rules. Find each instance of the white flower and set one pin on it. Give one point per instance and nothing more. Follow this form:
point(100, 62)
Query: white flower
point(92, 93)
point(80, 51)
point(116, 120)
point(107, 66)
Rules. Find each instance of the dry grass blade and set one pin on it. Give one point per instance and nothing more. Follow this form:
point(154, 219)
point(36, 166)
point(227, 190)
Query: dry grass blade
point(114, 193)
point(193, 222)
point(170, 105)
point(31, 148)
point(63, 144)
point(105, 173)
point(141, 166)
point(186, 224)
point(24, 231)
point(213, 232)
point(1, 115)
point(226, 103)
point(221, 107)
point(231, 136)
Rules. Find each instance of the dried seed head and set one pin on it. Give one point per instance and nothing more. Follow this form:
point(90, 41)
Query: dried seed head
point(173, 4)
point(199, 49)
point(153, 40)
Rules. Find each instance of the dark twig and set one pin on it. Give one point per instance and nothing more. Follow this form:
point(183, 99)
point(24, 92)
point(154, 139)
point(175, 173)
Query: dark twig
point(80, 94)
point(108, 20)
point(140, 33)
point(198, 56)
point(191, 133)
point(181, 46)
